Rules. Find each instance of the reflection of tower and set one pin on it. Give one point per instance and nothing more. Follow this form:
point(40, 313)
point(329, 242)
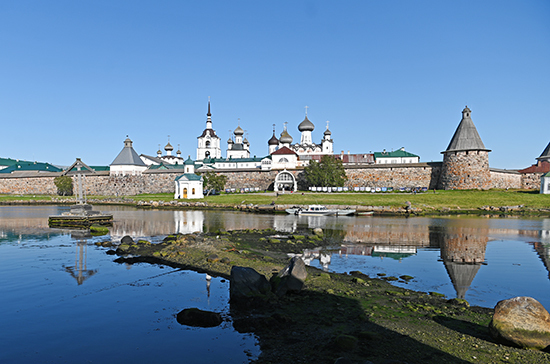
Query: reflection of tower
point(543, 247)
point(80, 271)
point(462, 252)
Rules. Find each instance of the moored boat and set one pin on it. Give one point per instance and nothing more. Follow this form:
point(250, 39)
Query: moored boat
point(312, 210)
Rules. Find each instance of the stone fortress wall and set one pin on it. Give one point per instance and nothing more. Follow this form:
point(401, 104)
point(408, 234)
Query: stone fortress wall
point(465, 166)
point(396, 176)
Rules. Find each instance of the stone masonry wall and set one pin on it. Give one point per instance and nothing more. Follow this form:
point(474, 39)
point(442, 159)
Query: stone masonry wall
point(396, 176)
point(502, 179)
point(465, 170)
point(531, 181)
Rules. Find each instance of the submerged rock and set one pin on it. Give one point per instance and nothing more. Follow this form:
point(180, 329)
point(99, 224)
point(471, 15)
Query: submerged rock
point(246, 283)
point(127, 239)
point(522, 321)
point(199, 318)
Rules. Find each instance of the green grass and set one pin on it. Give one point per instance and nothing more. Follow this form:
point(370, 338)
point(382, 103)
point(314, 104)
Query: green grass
point(465, 200)
point(8, 198)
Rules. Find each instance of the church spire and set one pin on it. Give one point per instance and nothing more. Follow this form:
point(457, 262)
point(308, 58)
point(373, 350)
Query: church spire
point(208, 116)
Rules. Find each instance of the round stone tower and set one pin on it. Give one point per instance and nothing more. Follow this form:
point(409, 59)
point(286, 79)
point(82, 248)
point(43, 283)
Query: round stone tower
point(466, 160)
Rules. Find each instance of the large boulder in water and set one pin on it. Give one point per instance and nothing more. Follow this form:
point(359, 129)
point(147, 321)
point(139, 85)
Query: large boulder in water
point(199, 318)
point(522, 321)
point(291, 278)
point(127, 239)
point(245, 283)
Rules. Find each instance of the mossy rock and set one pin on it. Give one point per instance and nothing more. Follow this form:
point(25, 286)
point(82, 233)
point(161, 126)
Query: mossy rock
point(97, 230)
point(298, 237)
point(143, 242)
point(358, 280)
point(436, 294)
point(406, 277)
point(274, 241)
point(346, 342)
point(459, 302)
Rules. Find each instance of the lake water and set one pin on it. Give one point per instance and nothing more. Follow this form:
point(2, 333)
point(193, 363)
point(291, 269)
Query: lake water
point(65, 301)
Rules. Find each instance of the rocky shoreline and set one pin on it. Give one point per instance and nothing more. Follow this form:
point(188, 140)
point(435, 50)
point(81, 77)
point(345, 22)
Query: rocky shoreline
point(335, 318)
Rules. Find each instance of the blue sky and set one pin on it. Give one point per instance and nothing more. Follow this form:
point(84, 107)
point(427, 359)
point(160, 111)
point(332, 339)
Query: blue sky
point(76, 77)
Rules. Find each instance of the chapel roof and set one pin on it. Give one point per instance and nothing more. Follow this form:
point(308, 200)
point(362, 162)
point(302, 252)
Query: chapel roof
point(189, 177)
point(466, 136)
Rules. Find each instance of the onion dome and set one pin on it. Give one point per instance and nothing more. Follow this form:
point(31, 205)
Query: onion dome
point(285, 137)
point(238, 131)
point(229, 141)
point(273, 140)
point(168, 147)
point(188, 161)
point(245, 141)
point(306, 125)
point(327, 132)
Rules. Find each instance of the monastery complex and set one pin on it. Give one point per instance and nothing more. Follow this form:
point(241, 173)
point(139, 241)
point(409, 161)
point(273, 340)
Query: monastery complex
point(465, 165)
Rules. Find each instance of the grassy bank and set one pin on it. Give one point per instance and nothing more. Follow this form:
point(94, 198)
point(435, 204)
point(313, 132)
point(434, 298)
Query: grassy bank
point(432, 201)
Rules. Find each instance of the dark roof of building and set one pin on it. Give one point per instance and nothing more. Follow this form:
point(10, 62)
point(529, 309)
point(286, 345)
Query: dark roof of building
point(211, 132)
point(466, 136)
point(236, 146)
point(545, 153)
point(542, 166)
point(284, 150)
point(128, 156)
point(306, 125)
point(273, 140)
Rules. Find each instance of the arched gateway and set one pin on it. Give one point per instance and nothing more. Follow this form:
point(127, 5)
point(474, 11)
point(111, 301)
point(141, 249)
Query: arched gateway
point(285, 181)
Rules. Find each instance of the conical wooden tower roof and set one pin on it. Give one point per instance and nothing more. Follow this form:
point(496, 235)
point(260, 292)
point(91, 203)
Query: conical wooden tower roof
point(545, 155)
point(466, 136)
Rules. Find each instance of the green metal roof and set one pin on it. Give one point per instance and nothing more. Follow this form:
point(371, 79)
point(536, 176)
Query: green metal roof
point(395, 154)
point(165, 166)
point(95, 168)
point(189, 177)
point(28, 166)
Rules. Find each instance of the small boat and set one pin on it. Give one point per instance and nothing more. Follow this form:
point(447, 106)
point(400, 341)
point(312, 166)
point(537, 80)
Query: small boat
point(365, 213)
point(345, 212)
point(312, 210)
